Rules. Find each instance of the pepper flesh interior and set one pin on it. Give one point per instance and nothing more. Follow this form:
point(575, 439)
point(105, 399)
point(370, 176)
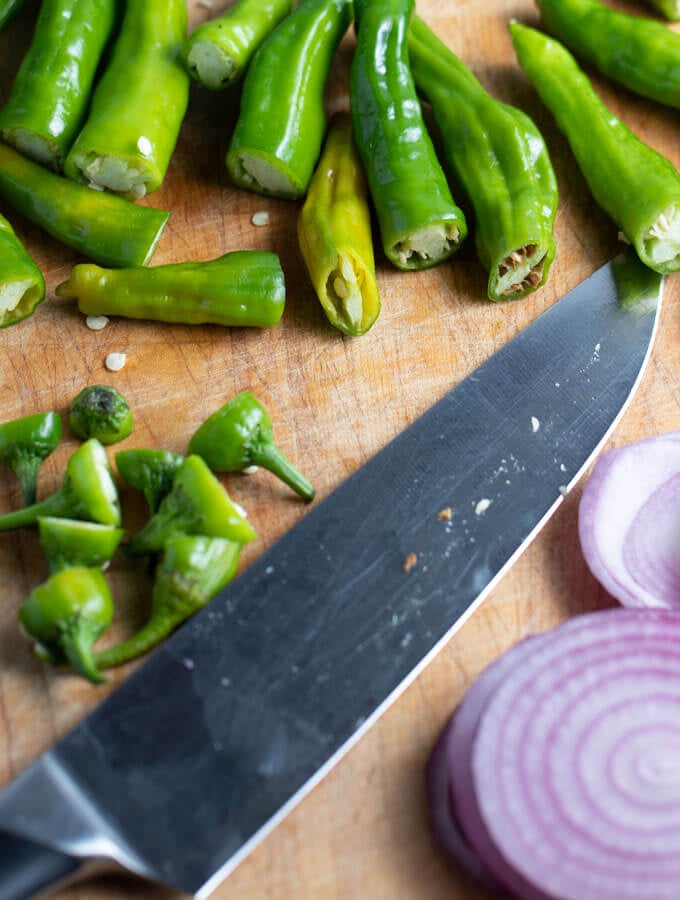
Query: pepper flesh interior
point(431, 242)
point(34, 146)
point(521, 270)
point(662, 238)
point(264, 176)
point(114, 174)
point(211, 64)
point(344, 291)
point(12, 293)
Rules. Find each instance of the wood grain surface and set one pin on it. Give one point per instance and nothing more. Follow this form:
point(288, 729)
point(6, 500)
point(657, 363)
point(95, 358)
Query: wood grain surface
point(362, 834)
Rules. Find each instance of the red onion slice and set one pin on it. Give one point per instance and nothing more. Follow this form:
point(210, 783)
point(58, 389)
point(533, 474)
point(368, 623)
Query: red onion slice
point(575, 762)
point(629, 522)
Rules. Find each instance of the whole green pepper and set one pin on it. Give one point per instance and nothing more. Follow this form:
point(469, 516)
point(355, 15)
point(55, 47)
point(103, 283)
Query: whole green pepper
point(420, 224)
point(669, 8)
point(68, 543)
point(138, 105)
point(24, 445)
point(244, 287)
point(334, 234)
point(149, 471)
point(196, 504)
point(52, 88)
point(192, 571)
point(500, 158)
point(9, 9)
point(239, 435)
point(108, 229)
point(638, 187)
point(218, 52)
point(640, 53)
point(100, 411)
point(87, 492)
point(22, 286)
point(281, 125)
point(66, 615)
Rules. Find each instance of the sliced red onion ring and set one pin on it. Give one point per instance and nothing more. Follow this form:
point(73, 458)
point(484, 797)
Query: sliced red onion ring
point(564, 761)
point(629, 522)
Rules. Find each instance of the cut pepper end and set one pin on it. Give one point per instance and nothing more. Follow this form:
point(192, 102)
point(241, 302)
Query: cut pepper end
point(263, 175)
point(18, 299)
point(427, 246)
point(352, 301)
point(209, 65)
point(519, 273)
point(131, 176)
point(660, 246)
point(34, 146)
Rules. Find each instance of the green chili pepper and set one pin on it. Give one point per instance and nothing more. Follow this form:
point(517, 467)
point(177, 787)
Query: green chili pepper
point(420, 224)
point(101, 412)
point(196, 504)
point(244, 287)
point(66, 615)
point(240, 435)
point(87, 492)
point(334, 233)
point(52, 88)
point(108, 229)
point(9, 9)
point(138, 105)
point(69, 543)
point(280, 129)
point(25, 443)
point(669, 8)
point(22, 286)
point(192, 571)
point(149, 471)
point(640, 53)
point(217, 53)
point(500, 158)
point(638, 187)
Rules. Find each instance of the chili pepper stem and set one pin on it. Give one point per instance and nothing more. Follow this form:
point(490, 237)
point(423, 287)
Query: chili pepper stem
point(76, 641)
point(268, 455)
point(150, 634)
point(26, 469)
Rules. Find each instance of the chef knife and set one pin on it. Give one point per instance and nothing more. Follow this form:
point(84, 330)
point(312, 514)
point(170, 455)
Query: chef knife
point(179, 773)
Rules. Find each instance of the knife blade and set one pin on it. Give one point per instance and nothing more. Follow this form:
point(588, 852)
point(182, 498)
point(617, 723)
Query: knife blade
point(180, 772)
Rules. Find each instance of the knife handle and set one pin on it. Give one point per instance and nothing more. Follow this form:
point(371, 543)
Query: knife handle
point(27, 869)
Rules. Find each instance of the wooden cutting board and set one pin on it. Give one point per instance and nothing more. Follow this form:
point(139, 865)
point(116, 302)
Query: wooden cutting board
point(362, 834)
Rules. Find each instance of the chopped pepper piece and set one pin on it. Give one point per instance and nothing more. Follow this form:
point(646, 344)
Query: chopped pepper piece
point(241, 288)
point(640, 53)
point(420, 224)
point(24, 445)
point(105, 228)
point(196, 504)
point(149, 471)
point(22, 286)
point(500, 158)
point(192, 571)
point(66, 615)
point(240, 435)
point(100, 411)
point(52, 88)
point(138, 105)
point(334, 233)
point(281, 125)
point(612, 159)
point(71, 542)
point(218, 52)
point(87, 492)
